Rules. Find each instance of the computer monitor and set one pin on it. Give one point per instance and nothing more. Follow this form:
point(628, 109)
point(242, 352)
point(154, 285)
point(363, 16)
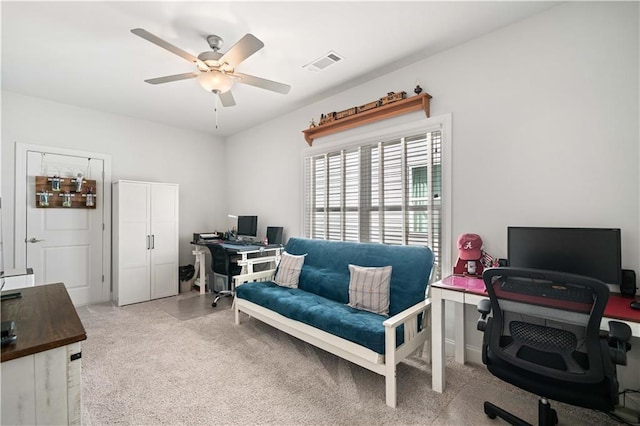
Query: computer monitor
point(247, 226)
point(274, 234)
point(593, 252)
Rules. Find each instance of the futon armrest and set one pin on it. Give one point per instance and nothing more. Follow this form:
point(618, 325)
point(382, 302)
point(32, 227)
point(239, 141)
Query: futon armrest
point(402, 317)
point(267, 275)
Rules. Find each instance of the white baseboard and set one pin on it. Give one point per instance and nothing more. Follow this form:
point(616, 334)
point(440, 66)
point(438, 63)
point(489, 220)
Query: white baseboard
point(472, 354)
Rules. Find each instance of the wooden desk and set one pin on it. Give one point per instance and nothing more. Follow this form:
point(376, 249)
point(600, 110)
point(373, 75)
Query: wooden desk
point(469, 291)
point(41, 382)
point(248, 256)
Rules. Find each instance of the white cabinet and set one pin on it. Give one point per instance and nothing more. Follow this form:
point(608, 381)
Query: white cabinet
point(145, 241)
point(43, 388)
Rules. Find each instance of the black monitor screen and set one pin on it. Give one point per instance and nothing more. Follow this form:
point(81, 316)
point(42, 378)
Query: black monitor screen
point(274, 234)
point(593, 252)
point(248, 226)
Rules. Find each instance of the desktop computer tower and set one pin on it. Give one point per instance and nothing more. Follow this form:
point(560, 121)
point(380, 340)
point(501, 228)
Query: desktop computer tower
point(274, 234)
point(218, 283)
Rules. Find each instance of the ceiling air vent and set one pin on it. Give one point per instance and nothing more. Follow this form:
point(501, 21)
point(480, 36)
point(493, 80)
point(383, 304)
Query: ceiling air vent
point(324, 61)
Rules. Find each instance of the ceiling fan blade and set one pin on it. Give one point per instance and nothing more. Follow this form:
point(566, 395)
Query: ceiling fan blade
point(262, 83)
point(245, 47)
point(226, 99)
point(168, 46)
point(170, 78)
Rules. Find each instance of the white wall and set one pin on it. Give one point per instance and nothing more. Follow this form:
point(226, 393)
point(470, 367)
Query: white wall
point(545, 130)
point(140, 150)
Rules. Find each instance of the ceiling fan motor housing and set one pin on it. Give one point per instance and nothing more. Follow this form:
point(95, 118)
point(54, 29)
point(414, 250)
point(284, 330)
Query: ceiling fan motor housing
point(210, 58)
point(215, 42)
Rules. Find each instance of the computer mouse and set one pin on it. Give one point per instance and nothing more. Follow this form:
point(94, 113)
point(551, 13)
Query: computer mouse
point(635, 304)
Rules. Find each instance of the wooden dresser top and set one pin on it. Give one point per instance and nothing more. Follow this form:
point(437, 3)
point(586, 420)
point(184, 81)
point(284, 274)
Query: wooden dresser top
point(45, 318)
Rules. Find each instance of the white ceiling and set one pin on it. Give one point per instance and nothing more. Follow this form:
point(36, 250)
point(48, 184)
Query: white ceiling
point(83, 53)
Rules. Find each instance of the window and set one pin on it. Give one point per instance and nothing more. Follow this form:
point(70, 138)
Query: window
point(387, 191)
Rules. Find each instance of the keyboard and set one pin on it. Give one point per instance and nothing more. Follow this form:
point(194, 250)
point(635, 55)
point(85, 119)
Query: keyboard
point(566, 292)
point(238, 243)
point(244, 243)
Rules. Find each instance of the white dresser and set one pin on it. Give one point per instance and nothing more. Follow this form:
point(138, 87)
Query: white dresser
point(41, 370)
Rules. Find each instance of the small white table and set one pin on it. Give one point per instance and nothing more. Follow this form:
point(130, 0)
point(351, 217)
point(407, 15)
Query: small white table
point(18, 278)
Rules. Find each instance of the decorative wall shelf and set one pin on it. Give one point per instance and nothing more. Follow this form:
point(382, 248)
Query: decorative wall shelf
point(414, 103)
point(55, 193)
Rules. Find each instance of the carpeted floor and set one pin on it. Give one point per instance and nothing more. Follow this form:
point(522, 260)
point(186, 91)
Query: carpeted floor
point(189, 306)
point(179, 361)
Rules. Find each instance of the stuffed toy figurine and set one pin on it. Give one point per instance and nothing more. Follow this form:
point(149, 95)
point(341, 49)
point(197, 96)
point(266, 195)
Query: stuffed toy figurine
point(469, 256)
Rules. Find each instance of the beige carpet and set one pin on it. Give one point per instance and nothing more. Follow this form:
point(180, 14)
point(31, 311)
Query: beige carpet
point(191, 306)
point(143, 365)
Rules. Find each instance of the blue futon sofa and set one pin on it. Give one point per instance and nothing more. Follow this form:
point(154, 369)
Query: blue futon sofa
point(318, 311)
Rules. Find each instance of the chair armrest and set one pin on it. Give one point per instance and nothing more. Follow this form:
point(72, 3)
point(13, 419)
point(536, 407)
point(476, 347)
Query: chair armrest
point(484, 307)
point(267, 275)
point(619, 331)
point(619, 336)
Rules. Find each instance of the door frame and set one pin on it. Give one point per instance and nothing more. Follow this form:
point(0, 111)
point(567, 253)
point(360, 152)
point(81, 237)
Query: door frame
point(20, 206)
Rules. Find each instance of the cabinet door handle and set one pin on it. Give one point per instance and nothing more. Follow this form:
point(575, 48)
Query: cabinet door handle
point(153, 241)
point(148, 243)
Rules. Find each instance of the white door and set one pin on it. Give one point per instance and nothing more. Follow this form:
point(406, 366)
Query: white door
point(164, 240)
point(66, 244)
point(132, 241)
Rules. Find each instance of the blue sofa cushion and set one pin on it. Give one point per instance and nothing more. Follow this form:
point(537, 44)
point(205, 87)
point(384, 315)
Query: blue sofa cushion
point(358, 326)
point(326, 268)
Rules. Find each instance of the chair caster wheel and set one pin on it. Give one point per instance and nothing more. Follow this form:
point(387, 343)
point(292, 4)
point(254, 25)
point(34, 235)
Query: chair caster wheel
point(214, 304)
point(489, 412)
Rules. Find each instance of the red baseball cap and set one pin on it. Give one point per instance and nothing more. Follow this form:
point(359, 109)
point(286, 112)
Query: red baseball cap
point(469, 247)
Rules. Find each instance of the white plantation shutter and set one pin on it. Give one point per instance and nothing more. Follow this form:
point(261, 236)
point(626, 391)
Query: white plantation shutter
point(387, 192)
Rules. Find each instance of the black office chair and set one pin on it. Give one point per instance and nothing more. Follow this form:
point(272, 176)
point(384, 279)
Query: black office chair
point(544, 337)
point(221, 264)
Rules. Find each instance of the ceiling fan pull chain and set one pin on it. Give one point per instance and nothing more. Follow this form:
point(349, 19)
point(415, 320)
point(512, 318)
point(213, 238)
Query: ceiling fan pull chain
point(215, 108)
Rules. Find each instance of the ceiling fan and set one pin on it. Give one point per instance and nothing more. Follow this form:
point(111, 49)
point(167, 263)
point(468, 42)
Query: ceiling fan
point(216, 71)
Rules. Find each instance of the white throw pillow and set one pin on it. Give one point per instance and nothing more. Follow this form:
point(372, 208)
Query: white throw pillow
point(289, 269)
point(369, 288)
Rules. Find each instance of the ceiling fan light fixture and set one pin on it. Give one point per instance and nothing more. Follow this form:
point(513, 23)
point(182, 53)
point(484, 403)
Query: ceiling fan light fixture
point(215, 81)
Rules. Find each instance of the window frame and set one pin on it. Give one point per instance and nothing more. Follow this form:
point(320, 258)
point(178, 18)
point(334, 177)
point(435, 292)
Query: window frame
point(396, 127)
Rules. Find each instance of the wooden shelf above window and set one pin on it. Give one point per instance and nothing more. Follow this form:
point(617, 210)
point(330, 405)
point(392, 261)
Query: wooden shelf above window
point(414, 103)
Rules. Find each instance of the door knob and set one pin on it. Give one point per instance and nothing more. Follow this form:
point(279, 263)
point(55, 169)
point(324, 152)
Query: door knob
point(33, 240)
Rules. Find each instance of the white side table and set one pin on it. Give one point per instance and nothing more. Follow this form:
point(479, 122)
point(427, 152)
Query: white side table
point(18, 278)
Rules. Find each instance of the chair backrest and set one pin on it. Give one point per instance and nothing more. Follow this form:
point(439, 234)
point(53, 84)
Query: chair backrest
point(547, 322)
point(220, 261)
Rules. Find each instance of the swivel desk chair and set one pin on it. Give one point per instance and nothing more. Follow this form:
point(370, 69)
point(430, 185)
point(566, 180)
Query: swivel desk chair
point(221, 264)
point(544, 337)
